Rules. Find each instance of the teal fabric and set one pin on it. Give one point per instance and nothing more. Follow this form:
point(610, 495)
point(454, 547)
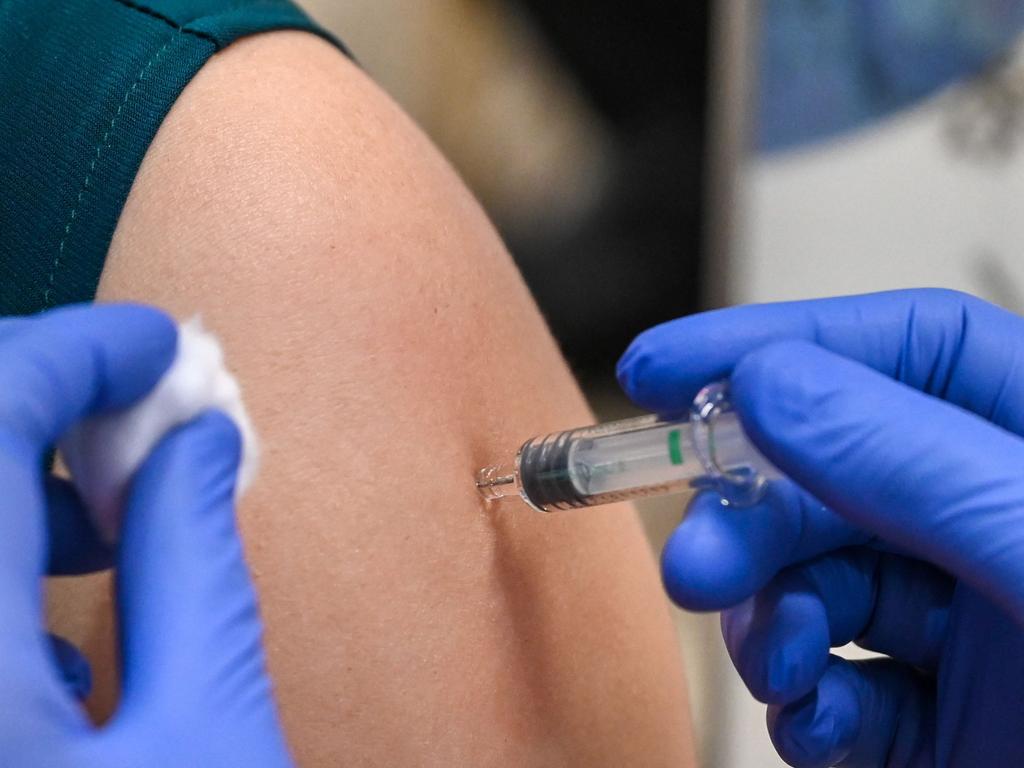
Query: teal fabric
point(84, 86)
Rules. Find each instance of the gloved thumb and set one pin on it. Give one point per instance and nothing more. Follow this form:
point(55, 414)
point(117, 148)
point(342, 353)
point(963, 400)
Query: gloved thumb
point(191, 631)
point(926, 476)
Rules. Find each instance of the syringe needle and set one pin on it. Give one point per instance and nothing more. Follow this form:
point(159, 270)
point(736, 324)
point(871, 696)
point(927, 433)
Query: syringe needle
point(497, 482)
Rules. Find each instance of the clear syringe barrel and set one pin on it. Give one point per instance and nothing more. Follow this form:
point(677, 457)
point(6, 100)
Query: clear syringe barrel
point(640, 457)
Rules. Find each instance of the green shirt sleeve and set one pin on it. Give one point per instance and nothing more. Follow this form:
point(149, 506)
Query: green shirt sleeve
point(84, 86)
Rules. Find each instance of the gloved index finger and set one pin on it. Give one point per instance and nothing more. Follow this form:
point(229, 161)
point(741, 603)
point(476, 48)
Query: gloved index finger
point(945, 343)
point(928, 477)
point(187, 607)
point(59, 367)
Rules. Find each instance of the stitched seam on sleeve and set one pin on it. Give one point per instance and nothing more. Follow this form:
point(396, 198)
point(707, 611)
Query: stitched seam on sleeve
point(168, 21)
point(98, 152)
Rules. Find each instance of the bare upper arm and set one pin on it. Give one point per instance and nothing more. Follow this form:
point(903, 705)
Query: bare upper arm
point(387, 348)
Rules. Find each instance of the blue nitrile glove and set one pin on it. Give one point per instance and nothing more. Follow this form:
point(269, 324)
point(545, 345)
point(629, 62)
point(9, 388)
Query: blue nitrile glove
point(902, 413)
point(195, 690)
point(831, 65)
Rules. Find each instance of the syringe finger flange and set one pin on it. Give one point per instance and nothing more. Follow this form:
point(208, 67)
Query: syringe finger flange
point(734, 466)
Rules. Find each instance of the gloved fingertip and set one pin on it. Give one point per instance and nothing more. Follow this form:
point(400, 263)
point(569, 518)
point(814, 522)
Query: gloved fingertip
point(821, 728)
point(624, 368)
point(210, 446)
point(791, 671)
point(780, 657)
point(719, 556)
point(192, 472)
point(703, 569)
point(651, 375)
point(767, 668)
point(633, 373)
point(222, 436)
point(805, 733)
point(148, 331)
point(161, 330)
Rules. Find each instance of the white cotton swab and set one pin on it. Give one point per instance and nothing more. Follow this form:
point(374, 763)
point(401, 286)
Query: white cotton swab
point(104, 452)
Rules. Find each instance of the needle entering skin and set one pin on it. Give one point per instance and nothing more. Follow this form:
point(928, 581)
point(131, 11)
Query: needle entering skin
point(497, 482)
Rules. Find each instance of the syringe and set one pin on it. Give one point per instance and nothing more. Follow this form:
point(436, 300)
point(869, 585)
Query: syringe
point(631, 459)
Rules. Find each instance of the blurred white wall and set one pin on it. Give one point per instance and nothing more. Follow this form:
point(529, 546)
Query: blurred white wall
point(930, 197)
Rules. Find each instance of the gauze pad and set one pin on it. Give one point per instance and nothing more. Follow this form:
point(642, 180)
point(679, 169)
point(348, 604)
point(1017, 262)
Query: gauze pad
point(104, 452)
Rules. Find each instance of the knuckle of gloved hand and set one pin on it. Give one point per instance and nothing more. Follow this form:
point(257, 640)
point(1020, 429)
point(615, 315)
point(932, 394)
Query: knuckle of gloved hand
point(802, 736)
point(943, 303)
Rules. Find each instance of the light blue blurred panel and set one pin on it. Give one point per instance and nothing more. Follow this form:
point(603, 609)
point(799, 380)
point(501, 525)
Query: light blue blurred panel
point(829, 66)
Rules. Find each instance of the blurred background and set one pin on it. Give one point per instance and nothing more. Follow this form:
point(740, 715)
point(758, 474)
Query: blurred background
point(646, 160)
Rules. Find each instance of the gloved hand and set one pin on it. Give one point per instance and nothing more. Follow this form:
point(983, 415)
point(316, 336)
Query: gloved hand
point(899, 418)
point(195, 690)
point(833, 65)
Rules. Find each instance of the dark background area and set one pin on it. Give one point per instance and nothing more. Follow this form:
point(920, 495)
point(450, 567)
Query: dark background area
point(634, 261)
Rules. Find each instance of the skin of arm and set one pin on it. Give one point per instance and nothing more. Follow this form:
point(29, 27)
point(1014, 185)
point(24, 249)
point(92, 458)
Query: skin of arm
point(387, 348)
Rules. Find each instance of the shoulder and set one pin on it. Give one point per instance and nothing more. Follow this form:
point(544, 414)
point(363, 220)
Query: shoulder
point(286, 184)
point(282, 142)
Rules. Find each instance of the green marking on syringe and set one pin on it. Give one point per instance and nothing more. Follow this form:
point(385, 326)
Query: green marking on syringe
point(675, 447)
